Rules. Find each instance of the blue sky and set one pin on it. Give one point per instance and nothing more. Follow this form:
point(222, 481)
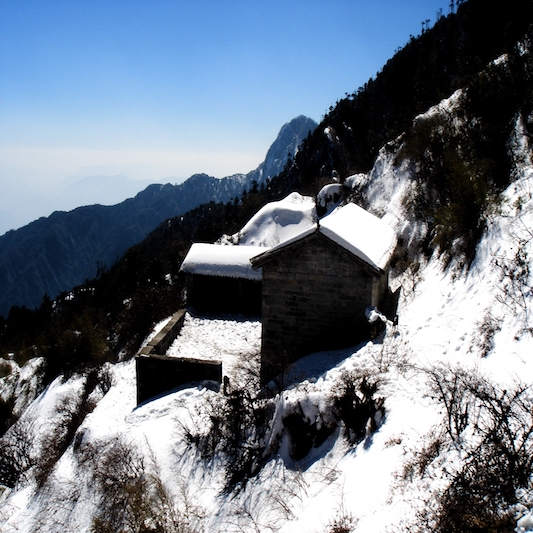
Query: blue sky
point(161, 89)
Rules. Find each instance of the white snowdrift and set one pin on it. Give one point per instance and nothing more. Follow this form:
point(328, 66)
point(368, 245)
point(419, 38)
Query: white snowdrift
point(361, 233)
point(278, 221)
point(275, 222)
point(356, 230)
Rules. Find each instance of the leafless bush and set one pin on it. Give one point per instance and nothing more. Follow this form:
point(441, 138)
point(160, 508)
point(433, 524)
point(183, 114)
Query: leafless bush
point(515, 289)
point(235, 425)
point(247, 373)
point(57, 438)
point(425, 455)
point(16, 452)
point(452, 389)
point(496, 460)
point(392, 354)
point(342, 523)
point(485, 333)
point(265, 511)
point(132, 496)
point(105, 379)
point(356, 404)
point(70, 414)
point(411, 276)
point(56, 512)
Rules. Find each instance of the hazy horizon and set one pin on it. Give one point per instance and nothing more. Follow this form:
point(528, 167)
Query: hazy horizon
point(162, 90)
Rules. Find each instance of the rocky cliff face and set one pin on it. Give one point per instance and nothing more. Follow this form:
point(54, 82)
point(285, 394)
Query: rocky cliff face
point(287, 142)
point(55, 253)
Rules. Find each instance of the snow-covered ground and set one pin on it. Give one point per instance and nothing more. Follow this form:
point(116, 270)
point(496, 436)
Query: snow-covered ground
point(236, 341)
point(447, 316)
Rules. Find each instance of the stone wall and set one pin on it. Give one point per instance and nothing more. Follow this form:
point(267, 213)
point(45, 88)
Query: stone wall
point(162, 341)
point(158, 374)
point(314, 297)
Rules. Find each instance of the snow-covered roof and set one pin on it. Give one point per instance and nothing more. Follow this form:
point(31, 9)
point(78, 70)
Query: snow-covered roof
point(356, 230)
point(278, 221)
point(223, 261)
point(361, 233)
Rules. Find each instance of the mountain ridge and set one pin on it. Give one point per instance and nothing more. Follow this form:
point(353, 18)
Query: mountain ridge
point(55, 253)
point(448, 446)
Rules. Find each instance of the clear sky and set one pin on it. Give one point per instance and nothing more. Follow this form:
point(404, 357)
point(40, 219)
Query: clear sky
point(162, 89)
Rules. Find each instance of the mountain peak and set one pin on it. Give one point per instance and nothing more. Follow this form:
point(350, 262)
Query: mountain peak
point(45, 257)
point(287, 142)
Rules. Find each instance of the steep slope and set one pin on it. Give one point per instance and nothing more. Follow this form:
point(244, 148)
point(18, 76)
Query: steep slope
point(447, 444)
point(461, 346)
point(56, 253)
point(426, 70)
point(289, 139)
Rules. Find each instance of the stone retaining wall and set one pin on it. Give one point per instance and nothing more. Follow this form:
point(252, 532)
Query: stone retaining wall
point(162, 341)
point(158, 374)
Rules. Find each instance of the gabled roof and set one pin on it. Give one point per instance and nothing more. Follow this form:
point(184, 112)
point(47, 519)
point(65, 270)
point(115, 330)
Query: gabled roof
point(222, 261)
point(362, 234)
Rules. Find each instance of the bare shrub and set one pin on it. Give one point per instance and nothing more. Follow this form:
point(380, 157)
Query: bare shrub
point(58, 504)
point(408, 270)
point(105, 379)
point(235, 426)
point(393, 354)
point(240, 428)
point(342, 523)
point(70, 414)
point(355, 403)
point(496, 463)
point(267, 510)
point(515, 290)
point(132, 496)
point(486, 330)
point(16, 452)
point(57, 439)
point(425, 455)
point(452, 388)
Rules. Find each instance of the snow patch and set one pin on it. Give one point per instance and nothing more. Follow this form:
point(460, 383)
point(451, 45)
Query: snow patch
point(361, 233)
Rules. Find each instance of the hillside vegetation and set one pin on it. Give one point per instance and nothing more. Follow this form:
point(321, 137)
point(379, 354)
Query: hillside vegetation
point(439, 144)
point(459, 171)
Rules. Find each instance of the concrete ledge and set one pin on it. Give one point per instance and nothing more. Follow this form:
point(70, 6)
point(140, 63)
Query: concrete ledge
point(162, 341)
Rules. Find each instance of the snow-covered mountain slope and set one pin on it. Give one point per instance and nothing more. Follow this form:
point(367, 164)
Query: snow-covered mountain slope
point(460, 351)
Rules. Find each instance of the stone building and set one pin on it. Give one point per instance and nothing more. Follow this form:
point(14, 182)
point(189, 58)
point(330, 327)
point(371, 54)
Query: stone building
point(317, 286)
point(220, 279)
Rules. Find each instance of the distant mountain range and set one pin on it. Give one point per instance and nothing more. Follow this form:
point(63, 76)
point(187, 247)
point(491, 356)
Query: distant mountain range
point(56, 253)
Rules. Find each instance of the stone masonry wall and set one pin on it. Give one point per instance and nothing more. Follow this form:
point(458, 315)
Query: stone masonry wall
point(314, 298)
point(161, 342)
point(158, 374)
